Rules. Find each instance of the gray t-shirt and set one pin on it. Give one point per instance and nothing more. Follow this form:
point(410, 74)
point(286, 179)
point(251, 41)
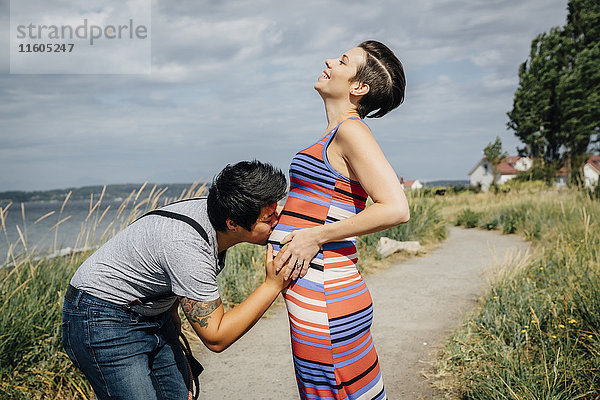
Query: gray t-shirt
point(154, 255)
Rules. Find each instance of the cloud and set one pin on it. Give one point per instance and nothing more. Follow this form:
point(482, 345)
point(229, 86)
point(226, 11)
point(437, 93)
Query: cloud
point(233, 80)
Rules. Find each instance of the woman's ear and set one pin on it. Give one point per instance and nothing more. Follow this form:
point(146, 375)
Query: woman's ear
point(359, 89)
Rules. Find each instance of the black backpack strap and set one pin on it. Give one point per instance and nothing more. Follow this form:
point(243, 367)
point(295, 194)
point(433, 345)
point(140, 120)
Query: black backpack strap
point(193, 223)
point(184, 218)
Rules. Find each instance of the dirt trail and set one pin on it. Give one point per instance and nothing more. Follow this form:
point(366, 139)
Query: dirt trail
point(417, 304)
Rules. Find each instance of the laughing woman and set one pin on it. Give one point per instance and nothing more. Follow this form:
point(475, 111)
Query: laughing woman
point(329, 306)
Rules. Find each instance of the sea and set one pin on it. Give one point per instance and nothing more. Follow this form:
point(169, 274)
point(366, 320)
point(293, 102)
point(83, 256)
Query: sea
point(41, 228)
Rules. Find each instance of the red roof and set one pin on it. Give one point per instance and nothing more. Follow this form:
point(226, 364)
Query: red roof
point(507, 165)
point(409, 183)
point(594, 161)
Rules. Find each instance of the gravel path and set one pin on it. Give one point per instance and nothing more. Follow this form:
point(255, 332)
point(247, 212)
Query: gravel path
point(417, 304)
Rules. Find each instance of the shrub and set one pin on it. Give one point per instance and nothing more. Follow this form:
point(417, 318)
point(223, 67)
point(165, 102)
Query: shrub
point(468, 218)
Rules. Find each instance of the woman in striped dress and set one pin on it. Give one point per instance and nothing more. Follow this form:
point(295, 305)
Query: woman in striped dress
point(329, 305)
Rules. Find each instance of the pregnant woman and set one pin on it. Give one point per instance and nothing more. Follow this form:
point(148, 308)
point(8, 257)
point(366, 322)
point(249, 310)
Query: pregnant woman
point(330, 308)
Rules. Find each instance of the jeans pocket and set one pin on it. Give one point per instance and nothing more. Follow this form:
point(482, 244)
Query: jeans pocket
point(107, 317)
point(66, 342)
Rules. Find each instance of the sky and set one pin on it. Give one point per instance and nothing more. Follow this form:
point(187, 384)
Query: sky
point(233, 80)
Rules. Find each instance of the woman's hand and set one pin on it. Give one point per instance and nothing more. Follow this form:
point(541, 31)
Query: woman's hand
point(302, 246)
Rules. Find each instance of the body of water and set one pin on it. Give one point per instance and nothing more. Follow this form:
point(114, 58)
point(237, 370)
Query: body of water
point(24, 231)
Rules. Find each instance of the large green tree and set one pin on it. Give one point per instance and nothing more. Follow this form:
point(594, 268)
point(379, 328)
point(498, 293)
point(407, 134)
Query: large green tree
point(556, 108)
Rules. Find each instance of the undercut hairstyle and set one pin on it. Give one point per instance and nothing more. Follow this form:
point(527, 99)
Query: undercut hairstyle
point(240, 191)
point(384, 74)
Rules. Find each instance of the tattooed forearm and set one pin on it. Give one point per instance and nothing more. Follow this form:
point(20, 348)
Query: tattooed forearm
point(199, 311)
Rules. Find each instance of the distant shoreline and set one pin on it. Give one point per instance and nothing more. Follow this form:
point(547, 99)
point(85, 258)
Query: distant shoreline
point(116, 192)
point(119, 192)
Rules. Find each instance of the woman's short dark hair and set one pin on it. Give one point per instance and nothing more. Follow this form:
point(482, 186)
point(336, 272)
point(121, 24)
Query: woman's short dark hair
point(240, 191)
point(384, 74)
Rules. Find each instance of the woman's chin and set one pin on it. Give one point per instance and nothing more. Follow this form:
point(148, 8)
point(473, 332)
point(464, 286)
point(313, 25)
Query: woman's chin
point(319, 88)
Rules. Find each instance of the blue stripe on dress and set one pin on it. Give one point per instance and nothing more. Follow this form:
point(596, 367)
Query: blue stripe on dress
point(352, 350)
point(311, 344)
point(328, 292)
point(312, 335)
point(308, 284)
point(355, 358)
point(308, 199)
point(307, 189)
point(366, 388)
point(351, 325)
point(347, 297)
point(348, 319)
point(345, 207)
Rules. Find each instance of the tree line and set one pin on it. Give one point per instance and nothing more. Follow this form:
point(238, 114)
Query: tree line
point(556, 108)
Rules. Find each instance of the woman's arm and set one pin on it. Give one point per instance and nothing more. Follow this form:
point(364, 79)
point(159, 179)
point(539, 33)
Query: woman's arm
point(356, 146)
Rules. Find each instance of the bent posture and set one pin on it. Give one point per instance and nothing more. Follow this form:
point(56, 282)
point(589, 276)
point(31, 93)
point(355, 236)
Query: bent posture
point(130, 349)
point(330, 308)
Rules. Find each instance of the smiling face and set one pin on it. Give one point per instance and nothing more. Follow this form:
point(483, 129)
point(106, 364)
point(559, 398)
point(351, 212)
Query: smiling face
point(337, 78)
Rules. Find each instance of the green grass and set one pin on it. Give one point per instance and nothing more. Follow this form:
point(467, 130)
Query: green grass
point(537, 333)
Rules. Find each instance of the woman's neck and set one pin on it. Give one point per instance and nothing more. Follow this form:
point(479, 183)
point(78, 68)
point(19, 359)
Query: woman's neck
point(336, 113)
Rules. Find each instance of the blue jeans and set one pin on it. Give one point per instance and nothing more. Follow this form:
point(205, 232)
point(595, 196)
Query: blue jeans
point(124, 355)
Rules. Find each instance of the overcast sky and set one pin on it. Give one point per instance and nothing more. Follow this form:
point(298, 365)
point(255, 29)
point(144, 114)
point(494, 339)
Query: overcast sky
point(233, 80)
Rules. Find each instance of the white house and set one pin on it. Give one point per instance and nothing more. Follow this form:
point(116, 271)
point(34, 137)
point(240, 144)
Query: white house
point(591, 171)
point(482, 174)
point(411, 184)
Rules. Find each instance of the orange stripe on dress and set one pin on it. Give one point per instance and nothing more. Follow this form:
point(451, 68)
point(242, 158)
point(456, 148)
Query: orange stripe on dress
point(306, 306)
point(296, 222)
point(347, 285)
point(308, 293)
point(311, 194)
point(316, 150)
point(326, 189)
point(340, 308)
point(340, 264)
point(320, 393)
point(344, 279)
point(310, 353)
point(358, 385)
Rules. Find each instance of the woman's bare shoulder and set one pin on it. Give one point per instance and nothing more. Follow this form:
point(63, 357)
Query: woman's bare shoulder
point(354, 131)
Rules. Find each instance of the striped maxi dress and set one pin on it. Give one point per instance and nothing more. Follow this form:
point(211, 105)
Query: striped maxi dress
point(330, 308)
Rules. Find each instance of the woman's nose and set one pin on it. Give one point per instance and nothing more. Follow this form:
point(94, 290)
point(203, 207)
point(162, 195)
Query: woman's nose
point(328, 62)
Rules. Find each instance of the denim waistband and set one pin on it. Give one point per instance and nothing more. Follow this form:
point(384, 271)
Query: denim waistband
point(77, 296)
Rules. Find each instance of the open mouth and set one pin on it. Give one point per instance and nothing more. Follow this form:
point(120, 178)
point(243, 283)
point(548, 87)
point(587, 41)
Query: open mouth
point(324, 75)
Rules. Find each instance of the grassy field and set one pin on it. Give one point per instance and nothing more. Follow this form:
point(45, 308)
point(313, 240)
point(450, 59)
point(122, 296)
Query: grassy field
point(32, 362)
point(537, 333)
